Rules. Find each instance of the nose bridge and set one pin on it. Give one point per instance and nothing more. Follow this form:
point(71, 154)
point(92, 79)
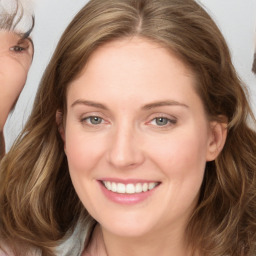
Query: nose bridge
point(125, 150)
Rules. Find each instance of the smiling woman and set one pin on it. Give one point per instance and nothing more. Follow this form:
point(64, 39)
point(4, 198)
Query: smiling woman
point(138, 143)
point(16, 51)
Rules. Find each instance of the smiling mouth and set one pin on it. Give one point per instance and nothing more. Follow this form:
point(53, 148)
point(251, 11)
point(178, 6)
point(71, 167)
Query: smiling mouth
point(131, 188)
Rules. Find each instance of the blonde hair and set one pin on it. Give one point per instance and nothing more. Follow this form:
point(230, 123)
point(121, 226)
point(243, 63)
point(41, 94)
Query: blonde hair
point(39, 205)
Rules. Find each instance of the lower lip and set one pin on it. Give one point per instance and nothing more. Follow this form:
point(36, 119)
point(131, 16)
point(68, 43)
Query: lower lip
point(126, 199)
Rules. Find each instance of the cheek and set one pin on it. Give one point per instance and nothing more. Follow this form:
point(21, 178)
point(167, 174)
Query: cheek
point(83, 154)
point(182, 155)
point(182, 161)
point(12, 80)
point(83, 151)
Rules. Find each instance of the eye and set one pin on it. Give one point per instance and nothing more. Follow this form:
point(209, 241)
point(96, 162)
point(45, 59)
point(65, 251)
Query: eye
point(94, 120)
point(163, 121)
point(17, 49)
point(24, 44)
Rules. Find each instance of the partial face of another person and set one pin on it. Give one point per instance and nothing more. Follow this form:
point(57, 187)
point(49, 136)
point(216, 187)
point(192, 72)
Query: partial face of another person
point(15, 60)
point(137, 138)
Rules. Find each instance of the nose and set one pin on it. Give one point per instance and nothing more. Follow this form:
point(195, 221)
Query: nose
point(125, 149)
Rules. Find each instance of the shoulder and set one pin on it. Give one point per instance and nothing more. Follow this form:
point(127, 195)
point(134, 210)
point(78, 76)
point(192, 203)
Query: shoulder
point(74, 243)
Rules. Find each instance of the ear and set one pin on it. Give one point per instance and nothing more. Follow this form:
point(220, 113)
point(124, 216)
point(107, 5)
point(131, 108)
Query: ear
point(60, 124)
point(217, 139)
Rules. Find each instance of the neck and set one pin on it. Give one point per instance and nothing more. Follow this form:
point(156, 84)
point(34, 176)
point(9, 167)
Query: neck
point(107, 244)
point(2, 145)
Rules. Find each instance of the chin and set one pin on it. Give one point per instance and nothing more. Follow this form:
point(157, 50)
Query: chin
point(129, 227)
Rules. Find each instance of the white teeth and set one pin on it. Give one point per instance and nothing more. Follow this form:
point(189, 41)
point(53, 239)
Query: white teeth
point(138, 188)
point(120, 188)
point(151, 185)
point(129, 188)
point(145, 187)
point(108, 185)
point(113, 187)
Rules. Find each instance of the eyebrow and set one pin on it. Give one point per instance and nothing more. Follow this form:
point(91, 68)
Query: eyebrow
point(145, 107)
point(164, 103)
point(89, 103)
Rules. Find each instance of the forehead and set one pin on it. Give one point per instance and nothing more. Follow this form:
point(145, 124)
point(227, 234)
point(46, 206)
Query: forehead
point(8, 39)
point(141, 53)
point(132, 67)
point(9, 34)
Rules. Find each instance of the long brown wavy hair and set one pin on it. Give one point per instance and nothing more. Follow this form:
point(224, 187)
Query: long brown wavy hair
point(39, 205)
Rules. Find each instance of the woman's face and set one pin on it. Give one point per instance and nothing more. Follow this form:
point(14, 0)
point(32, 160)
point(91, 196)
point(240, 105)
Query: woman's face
point(137, 139)
point(15, 60)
